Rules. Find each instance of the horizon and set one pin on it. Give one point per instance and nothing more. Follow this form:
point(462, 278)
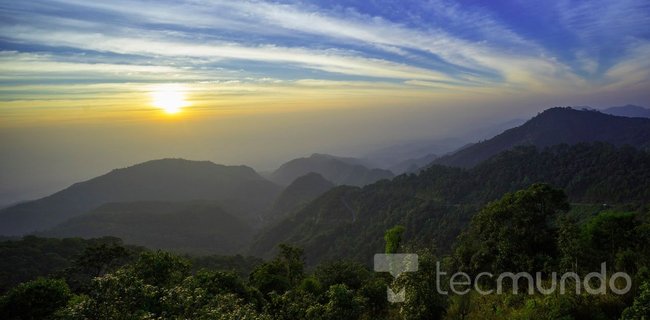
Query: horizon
point(365, 155)
point(87, 87)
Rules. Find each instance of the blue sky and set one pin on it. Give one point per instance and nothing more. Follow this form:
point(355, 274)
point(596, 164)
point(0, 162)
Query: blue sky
point(446, 45)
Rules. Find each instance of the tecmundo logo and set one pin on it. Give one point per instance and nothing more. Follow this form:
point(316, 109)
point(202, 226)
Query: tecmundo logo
point(396, 264)
point(461, 283)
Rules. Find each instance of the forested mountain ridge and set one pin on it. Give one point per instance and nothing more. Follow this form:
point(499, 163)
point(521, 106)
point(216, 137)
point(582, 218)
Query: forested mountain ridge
point(556, 126)
point(341, 171)
point(190, 227)
point(237, 188)
point(436, 204)
point(300, 192)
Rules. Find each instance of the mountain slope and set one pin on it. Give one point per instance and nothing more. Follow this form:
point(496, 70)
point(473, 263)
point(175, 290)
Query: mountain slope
point(239, 189)
point(301, 191)
point(628, 111)
point(196, 226)
point(341, 171)
point(555, 126)
point(437, 204)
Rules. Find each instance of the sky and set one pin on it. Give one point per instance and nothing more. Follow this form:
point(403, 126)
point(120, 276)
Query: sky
point(259, 82)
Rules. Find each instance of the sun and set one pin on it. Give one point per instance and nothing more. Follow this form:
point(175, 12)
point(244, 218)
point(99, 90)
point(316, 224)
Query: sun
point(169, 97)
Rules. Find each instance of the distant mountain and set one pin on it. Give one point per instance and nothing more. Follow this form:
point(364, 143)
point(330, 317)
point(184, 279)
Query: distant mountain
point(556, 126)
point(486, 132)
point(629, 110)
point(411, 156)
point(239, 189)
point(413, 165)
point(341, 171)
point(395, 156)
point(436, 204)
point(300, 192)
point(194, 227)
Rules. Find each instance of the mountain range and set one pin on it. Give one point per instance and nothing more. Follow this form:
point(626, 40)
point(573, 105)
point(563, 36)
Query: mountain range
point(339, 170)
point(239, 189)
point(436, 204)
point(322, 202)
point(555, 126)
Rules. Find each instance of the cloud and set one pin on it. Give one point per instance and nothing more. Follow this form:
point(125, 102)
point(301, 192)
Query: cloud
point(332, 60)
point(438, 44)
point(631, 72)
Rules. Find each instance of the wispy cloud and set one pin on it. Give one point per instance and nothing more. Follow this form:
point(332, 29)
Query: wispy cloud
point(436, 45)
point(331, 60)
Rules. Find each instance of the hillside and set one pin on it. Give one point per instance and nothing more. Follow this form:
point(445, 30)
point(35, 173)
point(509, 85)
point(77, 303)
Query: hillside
point(195, 227)
point(556, 126)
point(239, 189)
point(436, 204)
point(340, 171)
point(300, 192)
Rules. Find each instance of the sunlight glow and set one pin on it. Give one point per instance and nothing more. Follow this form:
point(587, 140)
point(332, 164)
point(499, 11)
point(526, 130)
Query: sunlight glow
point(170, 98)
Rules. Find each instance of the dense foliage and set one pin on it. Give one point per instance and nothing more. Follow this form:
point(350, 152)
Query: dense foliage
point(513, 233)
point(437, 204)
point(32, 257)
point(160, 285)
point(528, 230)
point(548, 240)
point(80, 260)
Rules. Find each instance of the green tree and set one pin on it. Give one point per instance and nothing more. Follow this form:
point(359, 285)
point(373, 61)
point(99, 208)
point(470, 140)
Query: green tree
point(640, 310)
point(161, 268)
point(120, 295)
point(514, 233)
point(37, 299)
point(373, 292)
point(219, 282)
point(291, 258)
point(393, 238)
point(156, 284)
point(294, 304)
point(95, 261)
point(568, 243)
point(423, 301)
point(270, 277)
point(607, 234)
point(342, 304)
point(351, 274)
point(284, 272)
point(98, 260)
